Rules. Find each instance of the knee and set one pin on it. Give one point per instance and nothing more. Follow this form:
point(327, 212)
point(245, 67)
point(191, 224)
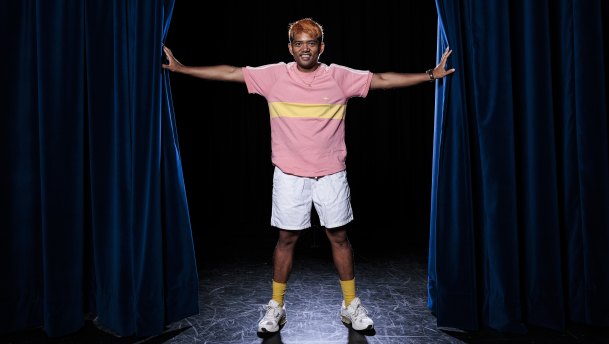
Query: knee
point(338, 238)
point(287, 240)
point(286, 243)
point(340, 242)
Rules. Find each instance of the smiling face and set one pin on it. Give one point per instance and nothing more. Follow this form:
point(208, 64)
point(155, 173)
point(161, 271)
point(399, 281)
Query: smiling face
point(306, 50)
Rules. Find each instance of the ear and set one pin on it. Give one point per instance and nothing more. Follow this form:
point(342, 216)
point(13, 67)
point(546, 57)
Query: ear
point(321, 48)
point(290, 48)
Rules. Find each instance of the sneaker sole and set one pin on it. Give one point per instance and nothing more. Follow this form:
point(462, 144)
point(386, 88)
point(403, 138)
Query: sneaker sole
point(282, 322)
point(348, 322)
point(345, 320)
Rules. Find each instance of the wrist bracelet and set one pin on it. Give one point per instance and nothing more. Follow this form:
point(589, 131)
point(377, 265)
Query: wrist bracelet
point(430, 73)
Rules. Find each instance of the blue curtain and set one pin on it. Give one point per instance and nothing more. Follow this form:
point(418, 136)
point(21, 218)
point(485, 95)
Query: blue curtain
point(520, 192)
point(93, 216)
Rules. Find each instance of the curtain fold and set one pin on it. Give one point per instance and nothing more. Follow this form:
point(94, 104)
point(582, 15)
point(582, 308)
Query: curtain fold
point(95, 215)
point(520, 190)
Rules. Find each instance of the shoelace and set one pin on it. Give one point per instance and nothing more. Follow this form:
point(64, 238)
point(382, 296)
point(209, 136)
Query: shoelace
point(359, 311)
point(271, 312)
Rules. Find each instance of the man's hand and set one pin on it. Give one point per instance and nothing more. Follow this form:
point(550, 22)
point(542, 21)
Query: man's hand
point(174, 65)
point(440, 70)
point(219, 72)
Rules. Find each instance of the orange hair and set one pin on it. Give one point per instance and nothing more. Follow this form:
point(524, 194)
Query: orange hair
point(308, 26)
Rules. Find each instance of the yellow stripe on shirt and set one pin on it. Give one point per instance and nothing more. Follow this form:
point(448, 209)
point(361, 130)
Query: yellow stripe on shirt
point(328, 111)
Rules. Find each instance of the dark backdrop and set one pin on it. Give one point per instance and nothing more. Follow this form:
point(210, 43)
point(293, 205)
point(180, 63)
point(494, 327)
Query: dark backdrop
point(224, 132)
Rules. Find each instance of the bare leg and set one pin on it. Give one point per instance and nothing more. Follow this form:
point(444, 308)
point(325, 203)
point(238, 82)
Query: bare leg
point(284, 255)
point(342, 254)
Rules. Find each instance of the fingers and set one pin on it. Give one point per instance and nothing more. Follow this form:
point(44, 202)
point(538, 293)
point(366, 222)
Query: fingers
point(444, 58)
point(168, 53)
point(169, 57)
point(446, 55)
point(440, 68)
point(444, 73)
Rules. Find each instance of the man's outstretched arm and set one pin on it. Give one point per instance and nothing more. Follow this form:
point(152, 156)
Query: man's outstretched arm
point(221, 72)
point(393, 80)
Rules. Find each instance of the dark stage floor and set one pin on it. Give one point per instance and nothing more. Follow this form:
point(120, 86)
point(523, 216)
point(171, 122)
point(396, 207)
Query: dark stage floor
point(235, 284)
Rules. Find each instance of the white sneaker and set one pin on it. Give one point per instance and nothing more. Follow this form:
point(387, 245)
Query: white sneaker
point(356, 315)
point(273, 319)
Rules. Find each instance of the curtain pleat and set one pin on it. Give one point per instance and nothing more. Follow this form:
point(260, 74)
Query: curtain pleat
point(96, 217)
point(519, 222)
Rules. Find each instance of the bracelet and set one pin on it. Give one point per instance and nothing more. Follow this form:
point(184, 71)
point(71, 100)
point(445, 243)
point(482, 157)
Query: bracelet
point(430, 73)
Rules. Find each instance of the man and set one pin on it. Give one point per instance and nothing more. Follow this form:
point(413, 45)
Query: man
point(307, 102)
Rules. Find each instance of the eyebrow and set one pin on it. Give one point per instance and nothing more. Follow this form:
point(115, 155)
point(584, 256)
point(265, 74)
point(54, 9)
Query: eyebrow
point(309, 41)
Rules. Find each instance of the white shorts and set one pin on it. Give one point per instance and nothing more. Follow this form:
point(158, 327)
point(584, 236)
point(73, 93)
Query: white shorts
point(293, 197)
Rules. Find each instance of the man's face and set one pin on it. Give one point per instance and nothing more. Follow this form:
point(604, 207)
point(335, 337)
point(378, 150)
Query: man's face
point(305, 50)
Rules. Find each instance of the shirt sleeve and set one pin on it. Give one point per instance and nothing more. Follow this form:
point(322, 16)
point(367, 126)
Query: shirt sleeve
point(260, 80)
point(353, 82)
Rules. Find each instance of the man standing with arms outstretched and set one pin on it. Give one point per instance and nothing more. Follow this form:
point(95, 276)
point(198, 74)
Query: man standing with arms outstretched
point(307, 102)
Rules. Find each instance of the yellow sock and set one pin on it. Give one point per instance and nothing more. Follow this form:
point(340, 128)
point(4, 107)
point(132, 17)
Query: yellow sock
point(279, 291)
point(348, 288)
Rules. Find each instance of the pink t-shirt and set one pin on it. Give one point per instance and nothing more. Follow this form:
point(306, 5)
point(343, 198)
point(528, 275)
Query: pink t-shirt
point(307, 113)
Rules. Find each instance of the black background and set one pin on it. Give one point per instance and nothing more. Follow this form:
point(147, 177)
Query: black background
point(224, 132)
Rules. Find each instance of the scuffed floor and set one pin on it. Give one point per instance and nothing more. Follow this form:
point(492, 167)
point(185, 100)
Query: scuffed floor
point(235, 285)
point(393, 290)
